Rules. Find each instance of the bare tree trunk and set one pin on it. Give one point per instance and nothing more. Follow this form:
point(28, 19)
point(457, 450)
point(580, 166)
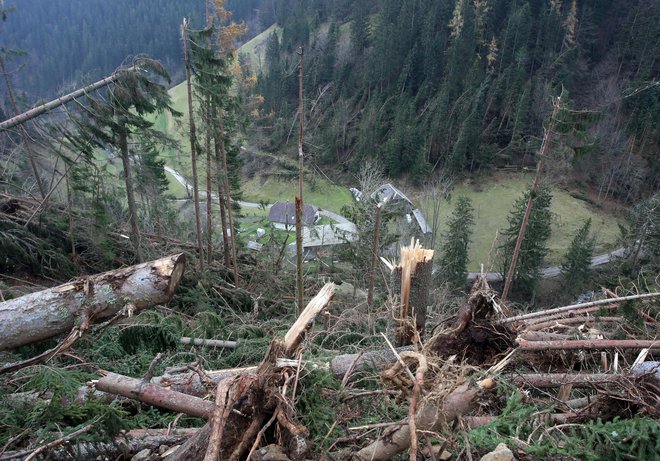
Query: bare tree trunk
point(193, 146)
point(300, 289)
point(209, 185)
point(51, 312)
point(223, 151)
point(130, 195)
point(153, 394)
point(530, 203)
point(221, 200)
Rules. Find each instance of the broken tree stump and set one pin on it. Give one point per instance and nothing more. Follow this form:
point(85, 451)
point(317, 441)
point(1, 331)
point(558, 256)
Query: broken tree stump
point(51, 312)
point(257, 400)
point(411, 280)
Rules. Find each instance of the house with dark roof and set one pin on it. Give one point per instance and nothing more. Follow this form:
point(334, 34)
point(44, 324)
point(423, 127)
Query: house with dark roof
point(284, 214)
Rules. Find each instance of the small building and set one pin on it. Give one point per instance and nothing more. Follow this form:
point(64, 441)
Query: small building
point(284, 213)
point(387, 193)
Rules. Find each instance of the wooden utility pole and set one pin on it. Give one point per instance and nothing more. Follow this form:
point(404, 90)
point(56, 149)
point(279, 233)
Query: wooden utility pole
point(193, 144)
point(299, 197)
point(530, 201)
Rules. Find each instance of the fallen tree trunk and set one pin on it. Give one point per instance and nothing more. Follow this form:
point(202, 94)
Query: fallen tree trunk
point(561, 322)
point(545, 380)
point(153, 394)
point(593, 344)
point(572, 307)
point(43, 108)
point(376, 360)
point(209, 342)
point(51, 312)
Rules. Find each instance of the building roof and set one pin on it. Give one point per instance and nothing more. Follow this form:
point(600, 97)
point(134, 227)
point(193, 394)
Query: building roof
point(285, 213)
point(327, 235)
point(421, 221)
point(389, 193)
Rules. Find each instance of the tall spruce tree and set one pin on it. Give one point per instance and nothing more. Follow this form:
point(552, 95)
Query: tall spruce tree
point(112, 121)
point(577, 261)
point(456, 243)
point(533, 248)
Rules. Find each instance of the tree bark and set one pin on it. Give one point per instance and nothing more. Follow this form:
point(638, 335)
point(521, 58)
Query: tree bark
point(130, 195)
point(530, 204)
point(572, 307)
point(227, 195)
point(221, 199)
point(591, 344)
point(153, 394)
point(193, 146)
point(545, 380)
point(208, 342)
point(411, 279)
point(42, 109)
point(377, 360)
point(51, 312)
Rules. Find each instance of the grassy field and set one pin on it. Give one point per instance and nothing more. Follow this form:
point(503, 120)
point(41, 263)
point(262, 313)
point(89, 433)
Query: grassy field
point(324, 194)
point(494, 198)
point(255, 49)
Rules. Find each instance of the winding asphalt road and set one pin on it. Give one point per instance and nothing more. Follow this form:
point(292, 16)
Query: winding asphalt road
point(349, 227)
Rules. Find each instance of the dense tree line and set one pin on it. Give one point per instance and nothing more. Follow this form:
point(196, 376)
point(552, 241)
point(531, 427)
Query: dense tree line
point(70, 42)
point(467, 85)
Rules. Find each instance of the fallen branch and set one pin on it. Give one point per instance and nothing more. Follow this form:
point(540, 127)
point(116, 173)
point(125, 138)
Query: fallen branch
point(28, 455)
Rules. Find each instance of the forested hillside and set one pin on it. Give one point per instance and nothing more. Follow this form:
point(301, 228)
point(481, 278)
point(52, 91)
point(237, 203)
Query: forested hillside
point(467, 85)
point(71, 42)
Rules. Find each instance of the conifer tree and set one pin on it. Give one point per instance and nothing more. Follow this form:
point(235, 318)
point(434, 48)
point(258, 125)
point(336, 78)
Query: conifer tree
point(577, 260)
point(114, 120)
point(455, 244)
point(533, 248)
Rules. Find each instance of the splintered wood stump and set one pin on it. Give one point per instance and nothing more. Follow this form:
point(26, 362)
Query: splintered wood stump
point(51, 312)
point(411, 280)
